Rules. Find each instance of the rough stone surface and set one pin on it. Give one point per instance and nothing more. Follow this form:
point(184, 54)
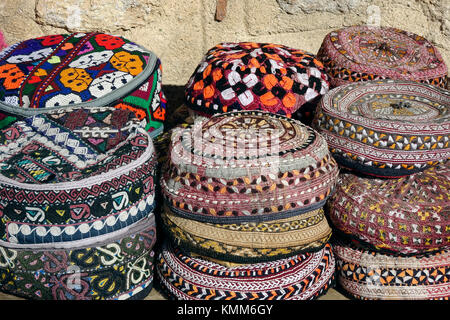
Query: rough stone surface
point(180, 32)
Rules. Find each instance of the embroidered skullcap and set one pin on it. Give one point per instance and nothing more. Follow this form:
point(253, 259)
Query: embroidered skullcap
point(74, 175)
point(255, 76)
point(249, 242)
point(409, 215)
point(372, 275)
point(117, 268)
point(247, 166)
point(300, 277)
point(85, 70)
point(386, 128)
point(365, 53)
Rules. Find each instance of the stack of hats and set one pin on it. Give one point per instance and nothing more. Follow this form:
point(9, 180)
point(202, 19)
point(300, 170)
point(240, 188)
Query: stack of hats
point(256, 76)
point(244, 215)
point(395, 235)
point(390, 211)
point(77, 167)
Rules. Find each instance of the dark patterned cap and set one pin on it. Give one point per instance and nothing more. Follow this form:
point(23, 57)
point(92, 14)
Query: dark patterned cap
point(255, 76)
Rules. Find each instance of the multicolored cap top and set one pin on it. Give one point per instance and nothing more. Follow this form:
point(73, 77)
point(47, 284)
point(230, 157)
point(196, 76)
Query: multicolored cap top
point(54, 71)
point(255, 76)
point(226, 144)
point(362, 53)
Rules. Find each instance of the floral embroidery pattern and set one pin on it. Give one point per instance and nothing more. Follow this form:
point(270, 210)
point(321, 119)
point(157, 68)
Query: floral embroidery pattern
point(12, 76)
point(51, 40)
point(75, 79)
point(108, 41)
point(126, 62)
point(62, 70)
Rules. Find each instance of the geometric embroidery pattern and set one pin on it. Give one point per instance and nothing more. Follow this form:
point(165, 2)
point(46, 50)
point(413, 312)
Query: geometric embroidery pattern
point(404, 216)
point(372, 275)
point(298, 169)
point(265, 241)
point(255, 76)
point(386, 128)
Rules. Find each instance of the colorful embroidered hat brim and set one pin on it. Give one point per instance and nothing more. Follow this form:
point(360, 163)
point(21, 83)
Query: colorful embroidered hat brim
point(371, 275)
point(247, 166)
point(84, 70)
point(116, 269)
point(255, 76)
point(386, 128)
point(409, 215)
point(365, 53)
point(73, 175)
point(301, 277)
point(252, 241)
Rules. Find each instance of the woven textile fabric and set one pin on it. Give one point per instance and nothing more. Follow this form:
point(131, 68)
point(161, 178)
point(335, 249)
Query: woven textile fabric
point(94, 69)
point(255, 76)
point(409, 215)
point(365, 53)
point(372, 275)
point(300, 277)
point(72, 175)
point(386, 128)
point(249, 242)
point(247, 166)
point(117, 270)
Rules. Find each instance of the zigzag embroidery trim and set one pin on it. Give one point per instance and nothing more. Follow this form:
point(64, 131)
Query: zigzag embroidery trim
point(35, 197)
point(390, 157)
point(183, 280)
point(62, 137)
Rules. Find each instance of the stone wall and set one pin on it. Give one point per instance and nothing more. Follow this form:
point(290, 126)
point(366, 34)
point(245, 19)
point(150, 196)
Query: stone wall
point(181, 31)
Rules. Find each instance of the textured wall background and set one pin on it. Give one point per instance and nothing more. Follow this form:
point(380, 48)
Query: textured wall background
point(181, 31)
